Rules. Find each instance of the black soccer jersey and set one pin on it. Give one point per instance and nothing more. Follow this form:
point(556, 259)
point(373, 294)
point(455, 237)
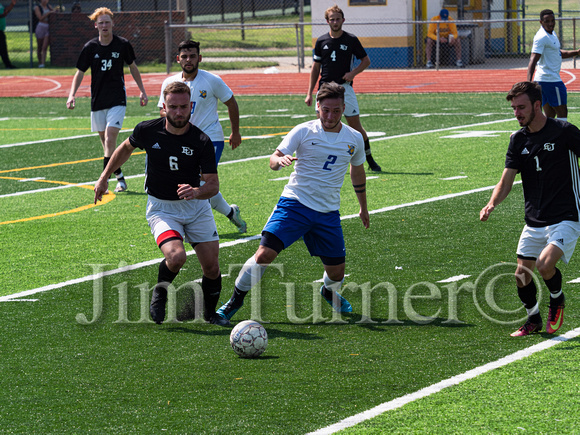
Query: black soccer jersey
point(106, 63)
point(173, 159)
point(336, 56)
point(548, 163)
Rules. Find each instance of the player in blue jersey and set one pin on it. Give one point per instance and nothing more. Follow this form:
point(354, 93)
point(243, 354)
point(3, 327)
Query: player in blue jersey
point(177, 210)
point(545, 152)
point(334, 54)
point(322, 152)
point(106, 55)
point(206, 90)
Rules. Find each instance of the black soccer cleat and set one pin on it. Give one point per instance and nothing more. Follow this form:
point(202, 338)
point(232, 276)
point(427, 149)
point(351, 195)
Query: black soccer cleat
point(216, 319)
point(373, 166)
point(157, 307)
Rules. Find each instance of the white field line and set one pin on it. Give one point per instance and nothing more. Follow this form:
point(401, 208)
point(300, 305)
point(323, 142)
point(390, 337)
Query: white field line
point(454, 380)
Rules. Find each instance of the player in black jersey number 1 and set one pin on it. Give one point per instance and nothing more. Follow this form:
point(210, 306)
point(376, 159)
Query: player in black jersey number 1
point(545, 152)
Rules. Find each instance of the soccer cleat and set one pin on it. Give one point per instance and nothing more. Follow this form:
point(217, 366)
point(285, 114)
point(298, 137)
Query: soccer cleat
point(373, 166)
point(121, 186)
point(459, 64)
point(343, 305)
point(237, 220)
point(158, 302)
point(527, 329)
point(216, 319)
point(429, 64)
point(555, 317)
point(226, 311)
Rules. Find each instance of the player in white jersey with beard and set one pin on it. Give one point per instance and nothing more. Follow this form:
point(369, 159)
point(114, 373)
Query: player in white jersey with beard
point(322, 151)
point(206, 90)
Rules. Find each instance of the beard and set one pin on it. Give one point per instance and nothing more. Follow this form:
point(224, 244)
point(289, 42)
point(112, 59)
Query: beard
point(177, 123)
point(189, 69)
point(524, 122)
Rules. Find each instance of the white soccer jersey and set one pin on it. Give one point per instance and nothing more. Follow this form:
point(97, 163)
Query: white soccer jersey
point(206, 90)
point(322, 161)
point(548, 46)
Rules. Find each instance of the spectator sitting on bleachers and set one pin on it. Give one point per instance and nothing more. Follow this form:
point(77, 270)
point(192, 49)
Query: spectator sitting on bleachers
point(447, 35)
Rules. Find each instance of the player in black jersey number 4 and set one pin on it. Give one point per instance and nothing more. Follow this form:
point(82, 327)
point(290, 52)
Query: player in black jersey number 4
point(177, 153)
point(545, 152)
point(334, 53)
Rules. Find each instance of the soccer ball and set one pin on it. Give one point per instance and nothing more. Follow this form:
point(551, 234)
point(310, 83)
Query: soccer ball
point(249, 339)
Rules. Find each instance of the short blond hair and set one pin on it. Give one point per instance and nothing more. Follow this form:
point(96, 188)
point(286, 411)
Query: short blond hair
point(100, 11)
point(332, 10)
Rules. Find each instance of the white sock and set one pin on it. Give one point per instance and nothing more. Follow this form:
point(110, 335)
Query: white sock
point(330, 284)
point(250, 275)
point(556, 295)
point(534, 310)
point(219, 204)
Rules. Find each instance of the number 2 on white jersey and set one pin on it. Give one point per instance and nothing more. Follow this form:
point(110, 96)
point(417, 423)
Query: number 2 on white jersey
point(331, 160)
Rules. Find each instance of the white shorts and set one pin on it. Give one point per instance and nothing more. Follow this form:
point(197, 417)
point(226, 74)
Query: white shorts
point(350, 101)
point(113, 117)
point(563, 235)
point(193, 220)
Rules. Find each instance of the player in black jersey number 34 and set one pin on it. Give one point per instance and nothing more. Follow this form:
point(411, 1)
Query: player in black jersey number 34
point(545, 152)
point(177, 153)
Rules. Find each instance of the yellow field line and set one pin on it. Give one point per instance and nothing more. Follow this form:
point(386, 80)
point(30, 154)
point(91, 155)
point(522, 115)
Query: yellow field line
point(53, 165)
point(106, 198)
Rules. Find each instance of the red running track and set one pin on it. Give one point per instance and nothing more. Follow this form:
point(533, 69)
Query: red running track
point(385, 81)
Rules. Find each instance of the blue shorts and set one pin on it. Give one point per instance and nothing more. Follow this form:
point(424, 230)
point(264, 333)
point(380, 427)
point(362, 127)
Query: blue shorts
point(322, 232)
point(219, 149)
point(554, 93)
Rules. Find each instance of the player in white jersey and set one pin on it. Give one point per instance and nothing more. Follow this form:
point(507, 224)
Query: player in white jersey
point(322, 151)
point(547, 56)
point(206, 90)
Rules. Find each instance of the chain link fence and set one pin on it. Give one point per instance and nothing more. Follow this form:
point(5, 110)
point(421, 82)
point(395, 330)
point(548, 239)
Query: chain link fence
point(241, 34)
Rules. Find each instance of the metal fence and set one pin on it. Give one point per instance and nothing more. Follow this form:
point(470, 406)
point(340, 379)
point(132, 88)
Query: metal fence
point(261, 33)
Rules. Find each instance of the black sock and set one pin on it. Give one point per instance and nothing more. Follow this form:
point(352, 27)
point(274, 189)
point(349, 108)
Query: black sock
point(367, 147)
point(528, 295)
point(554, 284)
point(328, 294)
point(237, 299)
point(211, 294)
point(231, 213)
point(106, 161)
point(165, 275)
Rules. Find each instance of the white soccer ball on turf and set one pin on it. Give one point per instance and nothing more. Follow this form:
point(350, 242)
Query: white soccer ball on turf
point(249, 339)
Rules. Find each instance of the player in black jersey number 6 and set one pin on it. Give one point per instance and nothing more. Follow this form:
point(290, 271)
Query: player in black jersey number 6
point(177, 153)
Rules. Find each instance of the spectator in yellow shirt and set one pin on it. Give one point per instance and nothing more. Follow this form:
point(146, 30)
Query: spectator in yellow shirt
point(447, 35)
